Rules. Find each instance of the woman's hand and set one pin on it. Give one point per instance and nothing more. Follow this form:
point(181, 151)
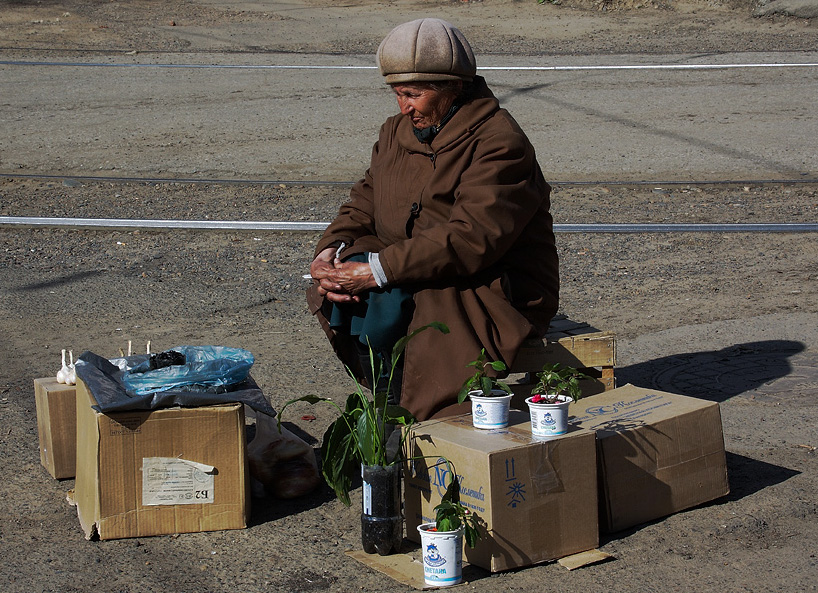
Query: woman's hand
point(320, 268)
point(353, 277)
point(322, 264)
point(340, 282)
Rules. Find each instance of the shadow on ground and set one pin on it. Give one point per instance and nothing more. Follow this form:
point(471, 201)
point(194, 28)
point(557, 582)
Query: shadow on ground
point(715, 375)
point(748, 476)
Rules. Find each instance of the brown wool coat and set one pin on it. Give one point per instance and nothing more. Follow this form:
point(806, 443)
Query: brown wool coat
point(481, 256)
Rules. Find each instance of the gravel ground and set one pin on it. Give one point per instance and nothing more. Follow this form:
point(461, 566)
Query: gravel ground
point(736, 310)
point(739, 273)
point(97, 289)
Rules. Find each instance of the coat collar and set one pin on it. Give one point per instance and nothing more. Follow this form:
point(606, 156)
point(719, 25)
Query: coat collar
point(469, 116)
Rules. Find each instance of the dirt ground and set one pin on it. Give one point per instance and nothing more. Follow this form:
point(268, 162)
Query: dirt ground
point(493, 26)
point(730, 317)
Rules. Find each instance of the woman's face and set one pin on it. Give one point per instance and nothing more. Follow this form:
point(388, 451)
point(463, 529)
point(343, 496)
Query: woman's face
point(424, 105)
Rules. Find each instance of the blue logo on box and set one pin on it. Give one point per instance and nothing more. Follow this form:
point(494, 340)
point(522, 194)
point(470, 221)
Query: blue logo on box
point(516, 489)
point(601, 410)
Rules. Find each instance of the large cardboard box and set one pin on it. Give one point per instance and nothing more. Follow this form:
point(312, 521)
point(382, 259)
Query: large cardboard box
point(658, 453)
point(164, 471)
point(537, 499)
point(56, 405)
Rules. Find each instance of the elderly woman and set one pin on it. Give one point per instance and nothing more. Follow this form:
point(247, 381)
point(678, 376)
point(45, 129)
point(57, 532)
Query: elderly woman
point(450, 223)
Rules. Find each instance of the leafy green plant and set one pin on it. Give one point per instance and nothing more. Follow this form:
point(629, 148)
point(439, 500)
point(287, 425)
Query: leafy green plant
point(480, 380)
point(360, 434)
point(450, 514)
point(556, 379)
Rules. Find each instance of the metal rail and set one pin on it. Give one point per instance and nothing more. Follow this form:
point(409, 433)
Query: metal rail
point(161, 224)
point(362, 67)
point(248, 225)
point(319, 182)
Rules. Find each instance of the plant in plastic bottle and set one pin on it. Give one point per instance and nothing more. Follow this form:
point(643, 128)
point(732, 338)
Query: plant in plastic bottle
point(358, 444)
point(360, 434)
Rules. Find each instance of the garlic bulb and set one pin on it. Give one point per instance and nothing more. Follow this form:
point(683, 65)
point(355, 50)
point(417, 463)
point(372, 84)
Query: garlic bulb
point(71, 376)
point(63, 372)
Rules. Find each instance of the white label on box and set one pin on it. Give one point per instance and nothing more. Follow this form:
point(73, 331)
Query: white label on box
point(167, 480)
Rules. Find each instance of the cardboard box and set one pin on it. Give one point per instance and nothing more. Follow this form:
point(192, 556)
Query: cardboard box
point(57, 426)
point(537, 499)
point(658, 453)
point(171, 470)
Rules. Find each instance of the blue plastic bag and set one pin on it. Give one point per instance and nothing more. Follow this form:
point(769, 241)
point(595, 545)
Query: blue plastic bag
point(206, 366)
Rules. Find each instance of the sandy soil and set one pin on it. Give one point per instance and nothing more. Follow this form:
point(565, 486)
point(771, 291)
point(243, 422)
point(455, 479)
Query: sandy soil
point(492, 26)
point(739, 311)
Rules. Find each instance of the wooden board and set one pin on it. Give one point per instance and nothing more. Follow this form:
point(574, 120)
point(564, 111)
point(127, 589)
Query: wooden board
point(596, 349)
point(570, 343)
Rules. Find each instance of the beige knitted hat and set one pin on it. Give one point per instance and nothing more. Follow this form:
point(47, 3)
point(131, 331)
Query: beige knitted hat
point(425, 50)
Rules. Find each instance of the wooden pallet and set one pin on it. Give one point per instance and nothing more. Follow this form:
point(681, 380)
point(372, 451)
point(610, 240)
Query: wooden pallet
point(571, 343)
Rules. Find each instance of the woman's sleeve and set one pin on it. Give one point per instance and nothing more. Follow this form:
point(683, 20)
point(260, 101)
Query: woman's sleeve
point(498, 195)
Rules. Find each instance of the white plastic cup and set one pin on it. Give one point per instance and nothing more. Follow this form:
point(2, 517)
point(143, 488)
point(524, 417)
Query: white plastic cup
point(442, 553)
point(549, 420)
point(490, 412)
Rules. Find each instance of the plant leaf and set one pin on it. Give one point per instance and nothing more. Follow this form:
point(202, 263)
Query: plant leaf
point(339, 458)
point(471, 534)
point(355, 401)
point(369, 437)
point(381, 397)
point(504, 387)
point(452, 493)
point(400, 345)
point(498, 365)
point(399, 415)
point(446, 516)
point(310, 399)
point(464, 390)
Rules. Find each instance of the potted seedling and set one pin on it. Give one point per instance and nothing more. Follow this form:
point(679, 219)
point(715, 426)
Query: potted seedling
point(356, 444)
point(490, 397)
point(556, 388)
point(441, 542)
